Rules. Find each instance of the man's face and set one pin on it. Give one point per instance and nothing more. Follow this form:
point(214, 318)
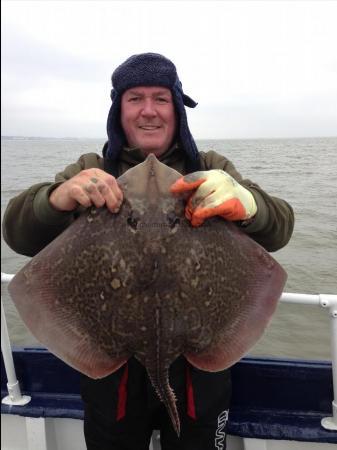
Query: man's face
point(148, 118)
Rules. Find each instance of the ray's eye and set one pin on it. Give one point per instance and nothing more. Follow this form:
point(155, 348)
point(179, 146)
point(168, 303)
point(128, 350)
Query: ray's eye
point(132, 221)
point(173, 219)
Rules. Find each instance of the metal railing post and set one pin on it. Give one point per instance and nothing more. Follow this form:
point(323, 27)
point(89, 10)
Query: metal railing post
point(330, 301)
point(15, 397)
point(325, 301)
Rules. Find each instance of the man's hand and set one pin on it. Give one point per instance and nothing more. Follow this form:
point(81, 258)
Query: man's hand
point(216, 194)
point(87, 188)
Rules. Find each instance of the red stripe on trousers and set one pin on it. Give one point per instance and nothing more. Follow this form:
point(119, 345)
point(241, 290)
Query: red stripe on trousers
point(122, 394)
point(190, 394)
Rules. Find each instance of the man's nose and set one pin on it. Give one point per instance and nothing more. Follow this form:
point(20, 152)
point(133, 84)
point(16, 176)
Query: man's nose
point(149, 109)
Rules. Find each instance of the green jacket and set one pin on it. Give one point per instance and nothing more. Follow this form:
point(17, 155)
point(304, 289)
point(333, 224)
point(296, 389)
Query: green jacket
point(30, 222)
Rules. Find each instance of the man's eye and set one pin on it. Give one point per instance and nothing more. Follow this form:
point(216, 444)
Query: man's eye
point(133, 99)
point(162, 100)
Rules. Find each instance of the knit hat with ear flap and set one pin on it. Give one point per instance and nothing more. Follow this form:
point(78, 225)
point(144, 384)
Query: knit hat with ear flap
point(149, 69)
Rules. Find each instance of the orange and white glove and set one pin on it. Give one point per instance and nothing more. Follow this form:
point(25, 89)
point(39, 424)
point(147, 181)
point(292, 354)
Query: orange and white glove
point(216, 194)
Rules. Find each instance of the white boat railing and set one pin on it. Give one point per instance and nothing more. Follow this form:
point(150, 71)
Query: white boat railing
point(329, 302)
point(14, 393)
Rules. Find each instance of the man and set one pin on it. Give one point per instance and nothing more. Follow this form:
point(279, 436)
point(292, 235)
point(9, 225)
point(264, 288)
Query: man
point(148, 116)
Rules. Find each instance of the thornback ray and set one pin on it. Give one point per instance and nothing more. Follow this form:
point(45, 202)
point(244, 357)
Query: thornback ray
point(145, 283)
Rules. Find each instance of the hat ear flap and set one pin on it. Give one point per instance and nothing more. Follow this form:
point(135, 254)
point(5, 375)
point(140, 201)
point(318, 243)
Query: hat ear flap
point(188, 101)
point(183, 132)
point(113, 94)
point(177, 90)
point(116, 137)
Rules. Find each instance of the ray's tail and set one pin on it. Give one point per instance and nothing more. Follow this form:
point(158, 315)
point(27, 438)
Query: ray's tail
point(160, 382)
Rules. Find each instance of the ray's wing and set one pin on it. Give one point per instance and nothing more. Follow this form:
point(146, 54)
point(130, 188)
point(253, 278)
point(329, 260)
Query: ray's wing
point(62, 297)
point(230, 286)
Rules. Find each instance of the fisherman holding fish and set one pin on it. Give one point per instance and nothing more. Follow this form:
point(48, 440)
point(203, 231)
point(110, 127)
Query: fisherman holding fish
point(148, 116)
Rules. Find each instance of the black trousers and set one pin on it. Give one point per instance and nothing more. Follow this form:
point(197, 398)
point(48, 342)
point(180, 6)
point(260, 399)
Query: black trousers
point(115, 423)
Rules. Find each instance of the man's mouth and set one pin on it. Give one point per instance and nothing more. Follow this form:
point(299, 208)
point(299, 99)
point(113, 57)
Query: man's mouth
point(149, 127)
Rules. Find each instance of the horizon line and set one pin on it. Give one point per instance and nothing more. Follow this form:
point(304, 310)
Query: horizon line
point(197, 139)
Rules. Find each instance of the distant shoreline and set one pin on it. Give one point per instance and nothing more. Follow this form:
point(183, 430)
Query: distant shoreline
point(70, 138)
point(41, 138)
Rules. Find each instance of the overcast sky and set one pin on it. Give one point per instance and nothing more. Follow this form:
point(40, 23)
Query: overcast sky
point(256, 69)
